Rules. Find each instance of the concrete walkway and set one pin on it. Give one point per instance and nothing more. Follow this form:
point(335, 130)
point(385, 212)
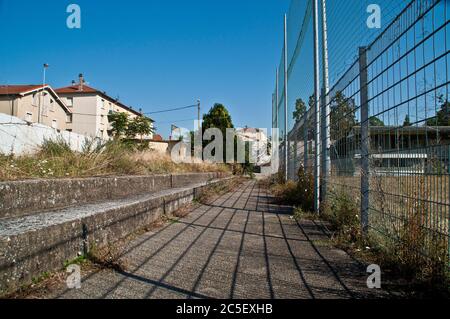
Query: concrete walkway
point(240, 246)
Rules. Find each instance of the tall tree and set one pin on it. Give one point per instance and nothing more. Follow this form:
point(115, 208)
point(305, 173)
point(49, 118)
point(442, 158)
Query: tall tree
point(442, 117)
point(139, 126)
point(342, 116)
point(218, 117)
point(300, 110)
point(407, 121)
point(119, 123)
point(375, 121)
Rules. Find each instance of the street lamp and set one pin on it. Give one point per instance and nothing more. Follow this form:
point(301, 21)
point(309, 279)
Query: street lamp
point(41, 102)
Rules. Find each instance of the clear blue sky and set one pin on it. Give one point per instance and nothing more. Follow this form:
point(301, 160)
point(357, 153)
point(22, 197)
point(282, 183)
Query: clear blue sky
point(153, 54)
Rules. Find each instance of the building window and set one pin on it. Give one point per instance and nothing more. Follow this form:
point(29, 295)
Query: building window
point(55, 124)
point(69, 101)
point(29, 117)
point(69, 118)
point(52, 105)
point(35, 99)
point(103, 104)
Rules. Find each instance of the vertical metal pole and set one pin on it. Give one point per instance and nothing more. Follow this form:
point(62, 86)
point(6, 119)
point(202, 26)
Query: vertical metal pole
point(277, 106)
point(286, 146)
point(365, 169)
point(305, 139)
point(326, 140)
point(277, 102)
point(316, 108)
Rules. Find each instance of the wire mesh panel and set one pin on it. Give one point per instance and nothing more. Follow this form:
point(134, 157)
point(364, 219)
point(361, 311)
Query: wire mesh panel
point(389, 116)
point(409, 113)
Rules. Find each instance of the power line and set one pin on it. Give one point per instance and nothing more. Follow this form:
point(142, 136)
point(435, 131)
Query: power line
point(178, 121)
point(172, 110)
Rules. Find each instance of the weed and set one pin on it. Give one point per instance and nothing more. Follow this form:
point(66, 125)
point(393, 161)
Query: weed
point(343, 215)
point(300, 193)
point(80, 260)
point(56, 160)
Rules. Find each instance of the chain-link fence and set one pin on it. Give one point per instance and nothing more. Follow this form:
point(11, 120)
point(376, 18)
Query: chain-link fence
point(385, 121)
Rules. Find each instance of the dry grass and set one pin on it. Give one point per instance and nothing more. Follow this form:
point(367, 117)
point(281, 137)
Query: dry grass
point(409, 224)
point(211, 193)
point(56, 160)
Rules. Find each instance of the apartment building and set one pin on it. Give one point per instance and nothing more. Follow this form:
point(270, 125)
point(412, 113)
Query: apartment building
point(35, 104)
point(90, 108)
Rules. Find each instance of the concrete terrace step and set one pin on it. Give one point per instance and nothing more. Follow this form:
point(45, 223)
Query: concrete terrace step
point(23, 198)
point(43, 241)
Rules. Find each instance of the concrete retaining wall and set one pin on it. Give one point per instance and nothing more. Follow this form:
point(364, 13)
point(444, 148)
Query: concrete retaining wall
point(25, 255)
point(27, 197)
point(19, 138)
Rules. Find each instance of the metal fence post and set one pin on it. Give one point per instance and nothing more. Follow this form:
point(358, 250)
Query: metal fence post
point(365, 169)
point(286, 143)
point(317, 134)
point(326, 137)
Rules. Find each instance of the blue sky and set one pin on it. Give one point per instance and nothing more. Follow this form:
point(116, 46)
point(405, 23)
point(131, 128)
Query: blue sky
point(153, 54)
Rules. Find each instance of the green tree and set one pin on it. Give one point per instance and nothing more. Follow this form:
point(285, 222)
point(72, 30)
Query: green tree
point(300, 110)
point(218, 117)
point(375, 121)
point(442, 117)
point(119, 123)
point(139, 126)
point(342, 116)
point(407, 121)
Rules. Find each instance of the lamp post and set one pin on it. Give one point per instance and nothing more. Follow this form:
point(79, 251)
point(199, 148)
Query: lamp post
point(41, 102)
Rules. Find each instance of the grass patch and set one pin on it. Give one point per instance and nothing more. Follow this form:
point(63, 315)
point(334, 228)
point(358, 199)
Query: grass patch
point(56, 160)
point(80, 260)
point(212, 192)
point(401, 256)
point(299, 194)
point(414, 259)
point(300, 214)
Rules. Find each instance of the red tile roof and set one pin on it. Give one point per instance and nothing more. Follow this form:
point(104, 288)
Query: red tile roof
point(18, 89)
point(75, 89)
point(14, 90)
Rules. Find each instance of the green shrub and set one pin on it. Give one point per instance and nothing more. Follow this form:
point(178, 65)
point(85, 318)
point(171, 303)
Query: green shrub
point(55, 148)
point(299, 194)
point(305, 186)
point(343, 214)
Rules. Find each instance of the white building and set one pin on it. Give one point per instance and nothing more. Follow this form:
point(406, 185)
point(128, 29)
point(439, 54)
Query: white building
point(35, 104)
point(90, 108)
point(259, 141)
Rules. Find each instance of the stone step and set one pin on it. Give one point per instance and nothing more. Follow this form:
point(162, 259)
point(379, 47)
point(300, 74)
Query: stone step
point(43, 242)
point(23, 198)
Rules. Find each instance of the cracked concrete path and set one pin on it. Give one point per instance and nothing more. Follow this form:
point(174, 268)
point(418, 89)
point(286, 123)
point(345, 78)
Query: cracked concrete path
point(240, 246)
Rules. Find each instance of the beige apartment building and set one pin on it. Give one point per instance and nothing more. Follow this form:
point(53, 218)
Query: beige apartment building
point(35, 104)
point(90, 108)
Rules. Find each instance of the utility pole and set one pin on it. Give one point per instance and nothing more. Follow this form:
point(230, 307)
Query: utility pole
point(286, 143)
point(41, 100)
point(316, 107)
point(326, 129)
